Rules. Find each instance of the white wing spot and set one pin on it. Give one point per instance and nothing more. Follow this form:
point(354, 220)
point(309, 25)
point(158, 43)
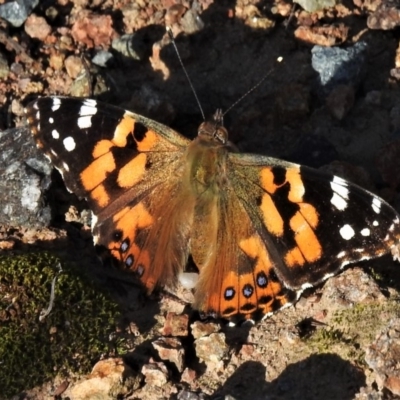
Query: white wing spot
point(55, 134)
point(85, 122)
point(90, 103)
point(69, 143)
point(339, 202)
point(37, 116)
point(340, 193)
point(376, 205)
point(375, 223)
point(88, 108)
point(339, 180)
point(346, 232)
point(56, 104)
point(65, 166)
point(51, 120)
point(341, 254)
point(339, 186)
point(365, 232)
point(327, 276)
point(306, 285)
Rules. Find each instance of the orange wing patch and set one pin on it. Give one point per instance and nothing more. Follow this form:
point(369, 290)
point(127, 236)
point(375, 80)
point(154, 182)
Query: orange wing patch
point(271, 216)
point(132, 172)
point(258, 290)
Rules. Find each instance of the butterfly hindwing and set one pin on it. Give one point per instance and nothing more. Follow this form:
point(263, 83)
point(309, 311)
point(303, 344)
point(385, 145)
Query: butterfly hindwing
point(238, 277)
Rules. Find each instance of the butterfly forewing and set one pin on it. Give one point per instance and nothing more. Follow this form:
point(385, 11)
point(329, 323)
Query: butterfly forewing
point(312, 223)
point(102, 151)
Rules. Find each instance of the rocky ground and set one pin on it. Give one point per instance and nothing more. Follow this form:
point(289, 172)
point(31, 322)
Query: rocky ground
point(332, 103)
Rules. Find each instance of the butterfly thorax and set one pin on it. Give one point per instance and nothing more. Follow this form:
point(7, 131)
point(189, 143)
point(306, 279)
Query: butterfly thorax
point(206, 159)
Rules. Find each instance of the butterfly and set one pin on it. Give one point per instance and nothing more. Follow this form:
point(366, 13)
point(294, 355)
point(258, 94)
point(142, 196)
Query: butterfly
point(259, 230)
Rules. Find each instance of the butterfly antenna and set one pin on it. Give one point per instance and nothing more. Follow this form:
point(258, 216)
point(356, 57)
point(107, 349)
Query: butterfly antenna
point(171, 36)
point(279, 59)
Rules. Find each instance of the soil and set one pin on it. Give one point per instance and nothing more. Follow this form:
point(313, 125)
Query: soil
point(313, 350)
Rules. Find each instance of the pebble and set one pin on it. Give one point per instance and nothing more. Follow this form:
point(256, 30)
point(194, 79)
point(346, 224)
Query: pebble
point(108, 377)
point(200, 329)
point(385, 17)
point(170, 349)
point(156, 374)
point(383, 356)
point(327, 35)
point(211, 349)
point(37, 27)
point(315, 5)
point(175, 325)
point(338, 66)
point(16, 12)
point(353, 286)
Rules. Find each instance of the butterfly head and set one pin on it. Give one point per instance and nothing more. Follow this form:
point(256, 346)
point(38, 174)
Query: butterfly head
point(213, 131)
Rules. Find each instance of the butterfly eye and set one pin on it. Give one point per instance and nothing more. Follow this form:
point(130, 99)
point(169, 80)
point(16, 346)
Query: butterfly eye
point(221, 135)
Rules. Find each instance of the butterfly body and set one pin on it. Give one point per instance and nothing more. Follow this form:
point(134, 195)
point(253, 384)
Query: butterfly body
point(259, 229)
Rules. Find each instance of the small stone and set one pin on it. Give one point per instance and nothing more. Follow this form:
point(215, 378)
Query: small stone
point(315, 5)
point(353, 286)
point(328, 35)
point(246, 351)
point(93, 30)
point(339, 66)
point(170, 349)
point(188, 395)
point(81, 86)
point(383, 356)
point(37, 27)
point(17, 108)
point(211, 349)
point(156, 374)
point(57, 60)
point(16, 12)
point(188, 376)
point(108, 376)
point(386, 16)
point(175, 325)
point(200, 329)
point(73, 65)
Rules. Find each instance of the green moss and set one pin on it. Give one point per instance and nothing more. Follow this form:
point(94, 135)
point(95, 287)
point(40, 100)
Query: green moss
point(351, 330)
point(69, 340)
